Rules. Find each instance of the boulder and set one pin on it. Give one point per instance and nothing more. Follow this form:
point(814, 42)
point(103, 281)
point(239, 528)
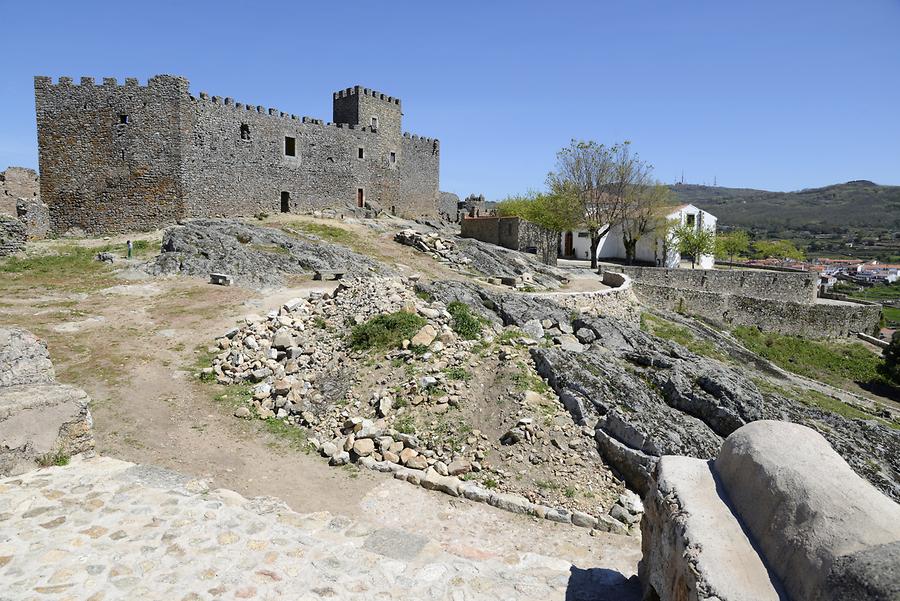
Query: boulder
point(23, 358)
point(425, 336)
point(694, 547)
point(812, 517)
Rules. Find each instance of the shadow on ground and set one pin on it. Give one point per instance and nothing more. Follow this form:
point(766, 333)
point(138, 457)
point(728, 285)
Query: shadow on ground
point(601, 584)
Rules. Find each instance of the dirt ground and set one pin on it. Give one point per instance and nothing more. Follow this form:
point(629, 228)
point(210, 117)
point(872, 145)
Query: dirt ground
point(132, 342)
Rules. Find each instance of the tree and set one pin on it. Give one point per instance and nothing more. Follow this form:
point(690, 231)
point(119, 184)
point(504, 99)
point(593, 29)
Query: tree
point(641, 212)
point(590, 170)
point(777, 249)
point(553, 212)
point(694, 241)
point(732, 244)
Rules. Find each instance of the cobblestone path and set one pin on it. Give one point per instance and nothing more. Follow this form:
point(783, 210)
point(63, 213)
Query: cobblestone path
point(107, 529)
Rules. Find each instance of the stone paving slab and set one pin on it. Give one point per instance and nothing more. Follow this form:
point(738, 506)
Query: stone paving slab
point(102, 529)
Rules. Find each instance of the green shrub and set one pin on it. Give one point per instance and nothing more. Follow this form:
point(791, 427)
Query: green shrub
point(58, 458)
point(458, 373)
point(464, 323)
point(385, 331)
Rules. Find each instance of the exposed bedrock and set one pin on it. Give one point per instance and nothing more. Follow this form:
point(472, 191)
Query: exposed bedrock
point(41, 421)
point(252, 254)
point(768, 519)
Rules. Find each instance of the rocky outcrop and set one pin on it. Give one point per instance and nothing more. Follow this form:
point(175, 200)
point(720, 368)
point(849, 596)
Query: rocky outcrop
point(768, 519)
point(252, 254)
point(694, 547)
point(815, 521)
point(41, 421)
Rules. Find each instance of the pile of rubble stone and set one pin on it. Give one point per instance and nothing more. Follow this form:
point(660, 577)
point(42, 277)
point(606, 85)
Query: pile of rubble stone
point(496, 263)
point(301, 370)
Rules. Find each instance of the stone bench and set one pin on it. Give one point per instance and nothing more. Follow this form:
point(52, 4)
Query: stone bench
point(221, 279)
point(327, 274)
point(777, 515)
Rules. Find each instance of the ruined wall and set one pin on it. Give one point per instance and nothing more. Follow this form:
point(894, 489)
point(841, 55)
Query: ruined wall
point(618, 302)
point(420, 161)
point(485, 229)
point(17, 183)
point(12, 235)
point(783, 317)
point(121, 158)
point(110, 154)
point(35, 215)
point(797, 287)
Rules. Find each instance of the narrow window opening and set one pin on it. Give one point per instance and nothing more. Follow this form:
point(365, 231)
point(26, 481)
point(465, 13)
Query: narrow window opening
point(375, 122)
point(361, 153)
point(690, 220)
point(245, 131)
point(290, 146)
point(393, 158)
point(285, 202)
point(123, 119)
point(360, 197)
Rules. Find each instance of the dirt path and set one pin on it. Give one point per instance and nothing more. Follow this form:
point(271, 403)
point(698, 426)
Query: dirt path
point(132, 342)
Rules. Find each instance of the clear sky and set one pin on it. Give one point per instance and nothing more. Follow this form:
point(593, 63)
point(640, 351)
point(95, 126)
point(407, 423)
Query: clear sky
point(773, 94)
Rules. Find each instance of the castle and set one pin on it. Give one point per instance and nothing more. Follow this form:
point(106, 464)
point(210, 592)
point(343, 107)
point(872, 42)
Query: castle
point(117, 158)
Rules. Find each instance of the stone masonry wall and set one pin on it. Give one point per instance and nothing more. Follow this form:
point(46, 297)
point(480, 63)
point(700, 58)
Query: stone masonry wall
point(758, 284)
point(110, 154)
point(36, 217)
point(121, 158)
point(783, 317)
point(12, 235)
point(17, 183)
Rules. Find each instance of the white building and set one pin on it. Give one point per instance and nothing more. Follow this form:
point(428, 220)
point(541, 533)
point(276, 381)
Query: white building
point(650, 248)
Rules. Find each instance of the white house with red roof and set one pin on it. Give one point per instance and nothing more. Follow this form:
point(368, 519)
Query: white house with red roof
point(651, 247)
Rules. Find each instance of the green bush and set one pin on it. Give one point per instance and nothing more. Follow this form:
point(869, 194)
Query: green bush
point(385, 331)
point(464, 323)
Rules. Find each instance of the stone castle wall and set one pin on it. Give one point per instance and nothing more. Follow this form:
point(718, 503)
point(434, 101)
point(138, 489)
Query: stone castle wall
point(797, 287)
point(811, 320)
point(12, 235)
point(121, 158)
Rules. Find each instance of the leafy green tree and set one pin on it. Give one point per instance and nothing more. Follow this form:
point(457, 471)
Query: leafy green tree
point(693, 241)
point(732, 244)
point(777, 249)
point(602, 179)
point(554, 212)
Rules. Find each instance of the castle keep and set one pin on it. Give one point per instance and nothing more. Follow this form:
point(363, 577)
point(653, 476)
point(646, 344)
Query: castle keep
point(117, 158)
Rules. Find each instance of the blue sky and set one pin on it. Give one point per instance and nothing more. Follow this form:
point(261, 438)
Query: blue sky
point(766, 94)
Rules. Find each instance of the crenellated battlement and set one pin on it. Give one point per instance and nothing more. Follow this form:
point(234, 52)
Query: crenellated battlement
point(140, 154)
point(359, 90)
point(64, 82)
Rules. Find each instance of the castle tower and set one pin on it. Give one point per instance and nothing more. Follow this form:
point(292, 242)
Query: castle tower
point(368, 108)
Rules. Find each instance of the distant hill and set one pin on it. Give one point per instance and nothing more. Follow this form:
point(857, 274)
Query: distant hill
point(855, 205)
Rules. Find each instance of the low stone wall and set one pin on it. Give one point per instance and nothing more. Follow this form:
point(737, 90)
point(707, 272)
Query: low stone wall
point(798, 287)
point(791, 318)
point(619, 301)
point(12, 235)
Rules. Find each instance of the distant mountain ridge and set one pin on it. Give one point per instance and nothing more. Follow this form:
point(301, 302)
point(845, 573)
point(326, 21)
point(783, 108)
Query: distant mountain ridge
point(856, 204)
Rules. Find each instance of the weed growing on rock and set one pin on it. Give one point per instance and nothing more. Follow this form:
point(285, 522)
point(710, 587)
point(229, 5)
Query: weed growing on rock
point(385, 331)
point(458, 373)
point(55, 458)
point(465, 324)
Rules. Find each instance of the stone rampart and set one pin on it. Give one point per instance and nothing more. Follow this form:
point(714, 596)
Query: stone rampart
point(130, 157)
point(798, 287)
point(791, 318)
point(618, 301)
point(773, 301)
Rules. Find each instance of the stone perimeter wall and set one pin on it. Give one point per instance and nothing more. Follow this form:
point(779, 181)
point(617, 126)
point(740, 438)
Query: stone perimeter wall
point(783, 317)
point(799, 287)
point(12, 235)
point(130, 157)
point(618, 302)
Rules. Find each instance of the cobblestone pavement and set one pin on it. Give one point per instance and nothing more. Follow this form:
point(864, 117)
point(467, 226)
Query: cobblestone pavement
point(107, 529)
